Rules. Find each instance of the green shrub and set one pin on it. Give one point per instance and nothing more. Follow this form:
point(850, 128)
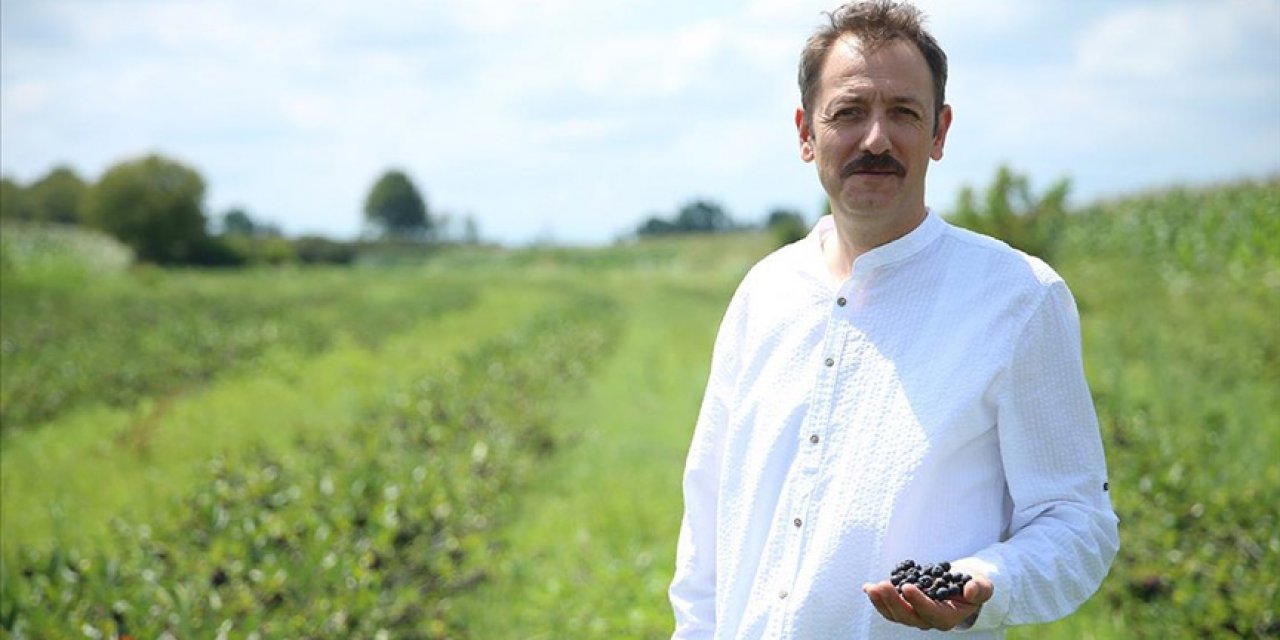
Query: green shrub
point(786, 226)
point(320, 250)
point(1011, 213)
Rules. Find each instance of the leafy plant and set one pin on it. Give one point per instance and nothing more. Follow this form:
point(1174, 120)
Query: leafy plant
point(1010, 212)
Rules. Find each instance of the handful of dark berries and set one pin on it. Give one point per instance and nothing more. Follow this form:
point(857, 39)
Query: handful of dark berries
point(935, 580)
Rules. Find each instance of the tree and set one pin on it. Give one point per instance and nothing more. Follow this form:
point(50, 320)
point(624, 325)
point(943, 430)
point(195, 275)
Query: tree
point(703, 216)
point(14, 203)
point(781, 216)
point(396, 208)
point(697, 216)
point(154, 205)
point(237, 222)
point(58, 196)
point(655, 226)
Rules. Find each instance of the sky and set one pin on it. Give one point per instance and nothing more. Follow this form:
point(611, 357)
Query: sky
point(572, 121)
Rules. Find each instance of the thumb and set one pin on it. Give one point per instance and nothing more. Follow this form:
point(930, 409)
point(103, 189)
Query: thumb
point(979, 590)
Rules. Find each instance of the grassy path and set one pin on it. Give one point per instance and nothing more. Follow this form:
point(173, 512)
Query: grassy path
point(66, 480)
point(588, 552)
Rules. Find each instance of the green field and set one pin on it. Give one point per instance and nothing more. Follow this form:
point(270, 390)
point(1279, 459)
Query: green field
point(488, 444)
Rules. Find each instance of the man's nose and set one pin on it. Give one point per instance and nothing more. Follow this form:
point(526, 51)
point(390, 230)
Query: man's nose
point(876, 140)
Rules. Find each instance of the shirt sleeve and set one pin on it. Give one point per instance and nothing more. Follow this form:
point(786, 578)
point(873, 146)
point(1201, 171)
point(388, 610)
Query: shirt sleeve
point(693, 588)
point(1062, 534)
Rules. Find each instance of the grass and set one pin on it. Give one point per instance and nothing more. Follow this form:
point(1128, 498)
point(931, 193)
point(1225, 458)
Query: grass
point(589, 551)
point(118, 340)
point(135, 461)
point(355, 533)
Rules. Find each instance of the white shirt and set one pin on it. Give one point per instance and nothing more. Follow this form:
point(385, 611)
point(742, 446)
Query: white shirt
point(933, 407)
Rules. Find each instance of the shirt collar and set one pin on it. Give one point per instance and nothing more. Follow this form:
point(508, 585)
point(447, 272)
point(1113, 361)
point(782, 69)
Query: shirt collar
point(908, 245)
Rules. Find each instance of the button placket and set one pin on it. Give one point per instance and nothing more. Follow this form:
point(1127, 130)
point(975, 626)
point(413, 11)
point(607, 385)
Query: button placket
point(838, 337)
point(800, 492)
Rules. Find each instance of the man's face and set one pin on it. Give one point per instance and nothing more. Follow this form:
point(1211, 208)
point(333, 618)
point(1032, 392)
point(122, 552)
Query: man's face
point(871, 130)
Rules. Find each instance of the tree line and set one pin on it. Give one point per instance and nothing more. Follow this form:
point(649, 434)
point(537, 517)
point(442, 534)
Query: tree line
point(155, 206)
point(702, 215)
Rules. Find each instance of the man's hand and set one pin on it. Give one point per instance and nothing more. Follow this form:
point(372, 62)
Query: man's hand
point(914, 609)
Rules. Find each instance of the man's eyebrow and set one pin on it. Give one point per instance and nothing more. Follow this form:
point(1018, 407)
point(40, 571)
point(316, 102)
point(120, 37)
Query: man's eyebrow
point(858, 97)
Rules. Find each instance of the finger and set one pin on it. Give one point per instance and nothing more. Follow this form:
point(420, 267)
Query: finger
point(877, 601)
point(978, 590)
point(933, 614)
point(902, 608)
point(943, 616)
point(894, 607)
point(883, 597)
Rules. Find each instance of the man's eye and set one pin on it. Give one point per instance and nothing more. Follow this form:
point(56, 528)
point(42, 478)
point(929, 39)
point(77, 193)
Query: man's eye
point(909, 113)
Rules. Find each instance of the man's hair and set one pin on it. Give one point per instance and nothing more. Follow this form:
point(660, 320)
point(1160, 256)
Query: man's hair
point(873, 23)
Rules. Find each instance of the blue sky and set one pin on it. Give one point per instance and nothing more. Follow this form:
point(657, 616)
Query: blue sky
point(572, 121)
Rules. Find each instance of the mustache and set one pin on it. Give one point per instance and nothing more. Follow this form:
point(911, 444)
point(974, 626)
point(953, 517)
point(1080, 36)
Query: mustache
point(873, 162)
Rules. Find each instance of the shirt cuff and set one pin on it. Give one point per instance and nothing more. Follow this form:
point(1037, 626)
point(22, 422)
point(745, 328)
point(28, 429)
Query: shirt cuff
point(995, 611)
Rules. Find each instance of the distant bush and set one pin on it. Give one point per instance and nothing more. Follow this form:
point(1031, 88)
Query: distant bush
point(154, 205)
point(259, 250)
point(320, 250)
point(58, 196)
point(1011, 213)
point(14, 201)
point(696, 216)
point(786, 226)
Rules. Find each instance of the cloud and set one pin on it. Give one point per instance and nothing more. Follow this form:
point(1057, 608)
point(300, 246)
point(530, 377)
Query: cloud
point(1193, 41)
point(580, 118)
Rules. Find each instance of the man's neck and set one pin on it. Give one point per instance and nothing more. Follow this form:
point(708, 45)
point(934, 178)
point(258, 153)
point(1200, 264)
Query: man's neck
point(856, 235)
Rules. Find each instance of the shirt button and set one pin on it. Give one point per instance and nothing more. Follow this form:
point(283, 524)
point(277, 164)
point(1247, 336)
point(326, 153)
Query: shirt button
point(813, 438)
point(796, 522)
point(830, 362)
point(782, 595)
point(841, 301)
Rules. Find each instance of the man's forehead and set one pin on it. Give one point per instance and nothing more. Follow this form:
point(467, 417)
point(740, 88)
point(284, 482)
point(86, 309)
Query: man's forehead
point(898, 62)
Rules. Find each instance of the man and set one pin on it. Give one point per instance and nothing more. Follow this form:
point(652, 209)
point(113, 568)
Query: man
point(889, 388)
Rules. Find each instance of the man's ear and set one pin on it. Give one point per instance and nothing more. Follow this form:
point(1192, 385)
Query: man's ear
point(940, 134)
point(806, 136)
